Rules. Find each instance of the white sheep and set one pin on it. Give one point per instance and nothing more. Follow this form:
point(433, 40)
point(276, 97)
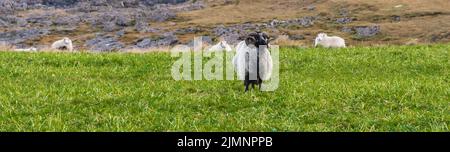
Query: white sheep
point(221, 46)
point(63, 44)
point(250, 52)
point(32, 49)
point(329, 42)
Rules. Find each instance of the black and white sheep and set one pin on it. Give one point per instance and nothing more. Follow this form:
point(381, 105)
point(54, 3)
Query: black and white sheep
point(253, 62)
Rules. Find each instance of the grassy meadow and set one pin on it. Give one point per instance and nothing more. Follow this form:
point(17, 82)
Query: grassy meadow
point(388, 88)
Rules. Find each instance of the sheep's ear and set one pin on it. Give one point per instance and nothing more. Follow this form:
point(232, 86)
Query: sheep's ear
point(250, 40)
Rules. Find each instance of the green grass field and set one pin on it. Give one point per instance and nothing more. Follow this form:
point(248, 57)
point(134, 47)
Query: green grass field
point(403, 88)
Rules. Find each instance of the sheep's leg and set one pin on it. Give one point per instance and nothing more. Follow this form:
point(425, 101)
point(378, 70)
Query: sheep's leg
point(246, 86)
point(259, 83)
point(247, 74)
point(246, 81)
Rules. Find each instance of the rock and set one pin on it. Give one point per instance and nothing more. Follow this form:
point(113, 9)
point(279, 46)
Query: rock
point(109, 21)
point(4, 43)
point(120, 33)
point(3, 23)
point(304, 21)
point(11, 5)
point(344, 20)
point(347, 30)
point(205, 40)
point(21, 22)
point(189, 6)
point(234, 38)
point(103, 43)
point(190, 30)
point(60, 3)
point(221, 30)
point(143, 27)
point(16, 37)
point(440, 37)
point(161, 15)
point(154, 2)
point(41, 19)
point(296, 37)
point(66, 20)
point(124, 21)
point(165, 40)
point(396, 18)
point(65, 30)
point(155, 15)
point(367, 31)
point(311, 8)
point(233, 34)
point(7, 20)
point(275, 23)
point(7, 6)
point(85, 7)
point(110, 27)
point(144, 43)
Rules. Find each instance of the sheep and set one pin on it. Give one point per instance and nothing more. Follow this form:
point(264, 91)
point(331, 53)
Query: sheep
point(253, 62)
point(63, 44)
point(329, 42)
point(221, 46)
point(32, 49)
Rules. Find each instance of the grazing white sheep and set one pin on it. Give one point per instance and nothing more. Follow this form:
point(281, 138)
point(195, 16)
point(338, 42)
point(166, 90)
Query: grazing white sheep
point(221, 46)
point(32, 49)
point(329, 41)
point(253, 62)
point(63, 44)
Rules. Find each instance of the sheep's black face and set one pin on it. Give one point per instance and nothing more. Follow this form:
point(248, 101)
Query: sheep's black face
point(257, 39)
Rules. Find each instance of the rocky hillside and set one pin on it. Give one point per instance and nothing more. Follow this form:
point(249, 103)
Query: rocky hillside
point(112, 25)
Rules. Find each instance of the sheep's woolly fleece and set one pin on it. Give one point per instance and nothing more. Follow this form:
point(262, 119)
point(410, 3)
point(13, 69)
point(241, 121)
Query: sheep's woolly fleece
point(240, 61)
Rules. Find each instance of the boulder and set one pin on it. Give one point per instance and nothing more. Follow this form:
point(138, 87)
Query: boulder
point(347, 30)
point(110, 27)
point(161, 15)
point(304, 21)
point(190, 30)
point(124, 21)
point(165, 40)
point(104, 43)
point(367, 31)
point(344, 20)
point(41, 19)
point(205, 40)
point(395, 18)
point(143, 27)
point(310, 7)
point(66, 20)
point(120, 33)
point(19, 36)
point(3, 23)
point(296, 37)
